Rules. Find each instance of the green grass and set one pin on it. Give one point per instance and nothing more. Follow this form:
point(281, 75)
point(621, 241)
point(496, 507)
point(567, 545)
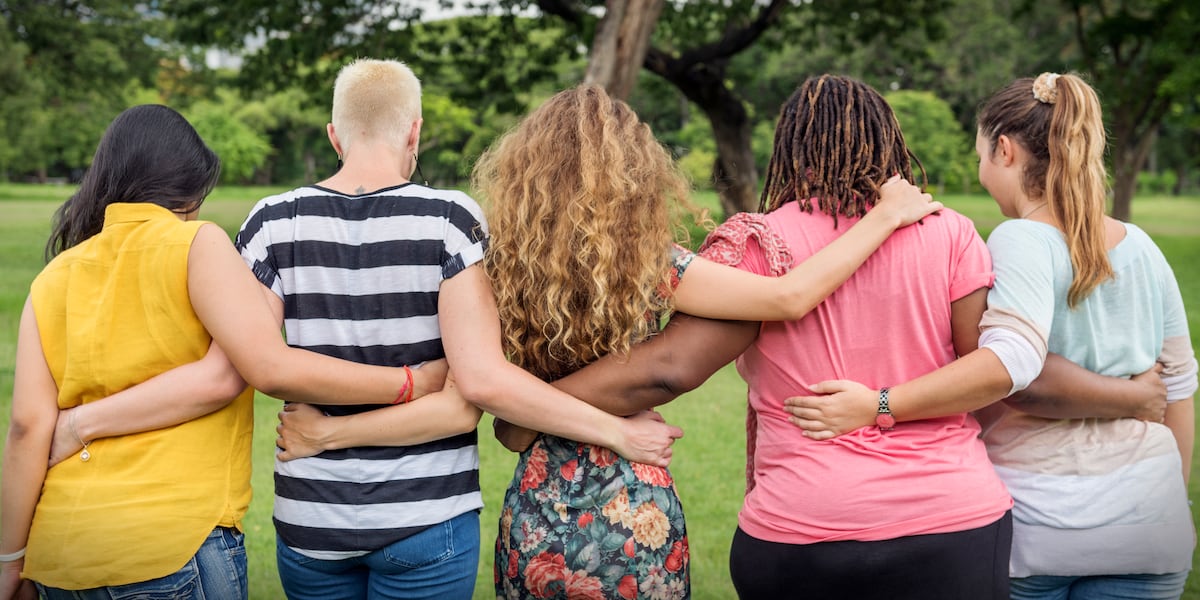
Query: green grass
point(709, 460)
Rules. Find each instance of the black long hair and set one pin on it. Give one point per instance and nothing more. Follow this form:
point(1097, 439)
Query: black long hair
point(150, 154)
point(837, 140)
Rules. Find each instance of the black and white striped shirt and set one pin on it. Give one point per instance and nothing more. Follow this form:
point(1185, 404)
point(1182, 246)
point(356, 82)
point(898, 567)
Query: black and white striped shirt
point(359, 278)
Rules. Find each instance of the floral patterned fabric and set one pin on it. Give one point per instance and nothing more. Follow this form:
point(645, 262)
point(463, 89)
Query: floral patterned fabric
point(580, 522)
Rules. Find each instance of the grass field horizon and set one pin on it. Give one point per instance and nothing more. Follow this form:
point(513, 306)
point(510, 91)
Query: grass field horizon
point(709, 460)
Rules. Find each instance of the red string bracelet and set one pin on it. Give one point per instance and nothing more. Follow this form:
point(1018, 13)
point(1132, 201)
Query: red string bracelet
point(406, 392)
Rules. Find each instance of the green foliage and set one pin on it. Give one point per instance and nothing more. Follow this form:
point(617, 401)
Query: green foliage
point(77, 61)
point(1156, 183)
point(447, 129)
point(698, 165)
point(241, 148)
point(933, 134)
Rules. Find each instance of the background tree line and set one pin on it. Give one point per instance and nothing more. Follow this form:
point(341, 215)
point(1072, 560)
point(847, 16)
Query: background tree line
point(712, 78)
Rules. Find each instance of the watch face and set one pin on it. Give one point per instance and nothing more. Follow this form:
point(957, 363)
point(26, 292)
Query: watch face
point(885, 421)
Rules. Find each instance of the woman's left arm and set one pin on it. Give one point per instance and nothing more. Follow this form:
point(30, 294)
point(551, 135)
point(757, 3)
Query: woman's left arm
point(716, 291)
point(34, 410)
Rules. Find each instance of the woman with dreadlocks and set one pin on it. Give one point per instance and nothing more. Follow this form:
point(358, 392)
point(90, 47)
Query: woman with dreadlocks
point(1100, 500)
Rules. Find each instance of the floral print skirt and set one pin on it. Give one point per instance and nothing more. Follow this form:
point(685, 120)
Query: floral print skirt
point(580, 522)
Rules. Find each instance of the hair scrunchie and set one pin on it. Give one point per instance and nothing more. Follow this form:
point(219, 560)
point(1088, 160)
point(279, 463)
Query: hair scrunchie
point(1045, 89)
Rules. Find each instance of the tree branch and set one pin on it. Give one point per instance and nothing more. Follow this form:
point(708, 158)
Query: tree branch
point(567, 10)
point(1089, 57)
point(735, 40)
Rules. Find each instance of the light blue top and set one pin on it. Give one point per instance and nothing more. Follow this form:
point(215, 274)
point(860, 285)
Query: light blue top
point(1091, 496)
point(1121, 328)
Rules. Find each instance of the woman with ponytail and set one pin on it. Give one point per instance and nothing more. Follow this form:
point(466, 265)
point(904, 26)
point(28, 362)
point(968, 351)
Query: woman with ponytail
point(1100, 499)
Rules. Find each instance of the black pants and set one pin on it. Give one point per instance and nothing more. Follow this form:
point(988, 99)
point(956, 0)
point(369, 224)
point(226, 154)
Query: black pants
point(964, 565)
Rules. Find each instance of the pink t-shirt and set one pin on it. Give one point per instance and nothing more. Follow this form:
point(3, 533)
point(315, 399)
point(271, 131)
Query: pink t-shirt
point(890, 322)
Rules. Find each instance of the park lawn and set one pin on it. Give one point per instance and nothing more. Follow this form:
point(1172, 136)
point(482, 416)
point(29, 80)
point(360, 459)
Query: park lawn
point(709, 460)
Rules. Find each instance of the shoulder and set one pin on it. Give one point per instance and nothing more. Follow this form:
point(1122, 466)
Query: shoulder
point(275, 207)
point(1139, 237)
point(453, 197)
point(459, 207)
point(727, 244)
point(1021, 233)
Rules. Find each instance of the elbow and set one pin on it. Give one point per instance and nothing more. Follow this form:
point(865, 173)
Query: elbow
point(227, 385)
point(672, 385)
point(673, 378)
point(467, 418)
point(25, 429)
point(265, 378)
point(796, 305)
point(479, 389)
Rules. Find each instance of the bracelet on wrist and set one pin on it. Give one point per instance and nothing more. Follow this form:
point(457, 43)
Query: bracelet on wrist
point(406, 392)
point(84, 454)
point(12, 556)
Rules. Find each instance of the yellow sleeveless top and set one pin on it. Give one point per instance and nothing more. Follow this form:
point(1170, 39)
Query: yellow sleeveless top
point(112, 312)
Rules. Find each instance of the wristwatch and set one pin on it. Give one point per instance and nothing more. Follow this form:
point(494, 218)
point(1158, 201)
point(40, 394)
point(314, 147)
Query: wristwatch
point(883, 418)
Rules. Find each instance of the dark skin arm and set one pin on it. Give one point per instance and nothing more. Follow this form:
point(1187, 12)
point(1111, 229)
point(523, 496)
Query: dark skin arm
point(679, 359)
point(1066, 390)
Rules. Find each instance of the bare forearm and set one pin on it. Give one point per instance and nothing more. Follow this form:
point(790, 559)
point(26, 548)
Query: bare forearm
point(432, 418)
point(25, 465)
point(622, 386)
point(514, 395)
point(969, 383)
point(1181, 418)
point(677, 360)
point(1065, 390)
point(176, 396)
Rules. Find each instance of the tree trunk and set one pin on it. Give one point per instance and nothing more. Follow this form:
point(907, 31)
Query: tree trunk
point(1129, 155)
point(735, 176)
point(620, 44)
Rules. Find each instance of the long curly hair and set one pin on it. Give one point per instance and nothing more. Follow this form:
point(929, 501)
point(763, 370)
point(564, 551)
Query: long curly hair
point(837, 141)
point(580, 198)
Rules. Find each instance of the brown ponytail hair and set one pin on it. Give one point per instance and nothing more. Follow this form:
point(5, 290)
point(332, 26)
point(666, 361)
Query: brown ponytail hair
point(1056, 118)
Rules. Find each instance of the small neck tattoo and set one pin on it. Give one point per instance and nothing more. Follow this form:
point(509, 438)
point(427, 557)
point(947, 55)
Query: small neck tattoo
point(360, 190)
point(1033, 210)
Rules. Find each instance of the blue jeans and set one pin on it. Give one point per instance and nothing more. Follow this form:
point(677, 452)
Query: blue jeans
point(1099, 587)
point(216, 572)
point(438, 563)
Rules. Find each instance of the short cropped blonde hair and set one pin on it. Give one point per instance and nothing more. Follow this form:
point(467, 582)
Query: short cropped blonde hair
point(375, 99)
